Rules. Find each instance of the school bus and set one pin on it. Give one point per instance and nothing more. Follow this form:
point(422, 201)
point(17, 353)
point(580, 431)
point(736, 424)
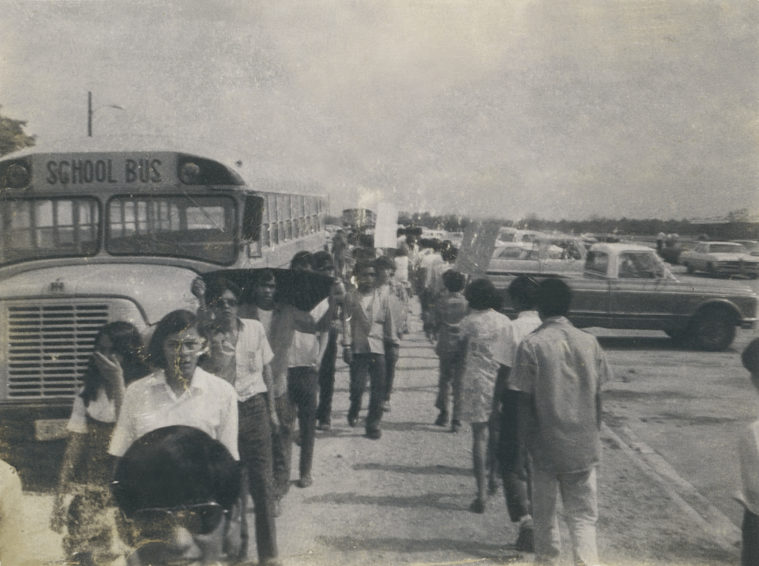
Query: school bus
point(91, 237)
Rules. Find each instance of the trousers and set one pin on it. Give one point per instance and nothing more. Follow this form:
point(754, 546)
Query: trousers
point(365, 366)
point(327, 379)
point(302, 388)
point(255, 446)
point(580, 500)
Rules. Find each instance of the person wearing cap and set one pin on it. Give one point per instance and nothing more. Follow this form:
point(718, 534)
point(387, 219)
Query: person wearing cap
point(176, 487)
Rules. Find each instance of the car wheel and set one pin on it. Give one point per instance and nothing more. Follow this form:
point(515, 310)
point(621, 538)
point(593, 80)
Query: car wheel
point(689, 268)
point(713, 329)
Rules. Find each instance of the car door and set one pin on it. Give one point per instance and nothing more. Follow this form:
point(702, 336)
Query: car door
point(591, 293)
point(641, 297)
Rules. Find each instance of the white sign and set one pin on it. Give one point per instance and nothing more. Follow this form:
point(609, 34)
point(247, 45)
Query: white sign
point(477, 248)
point(385, 231)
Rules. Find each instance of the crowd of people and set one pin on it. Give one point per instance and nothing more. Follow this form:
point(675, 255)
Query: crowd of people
point(182, 433)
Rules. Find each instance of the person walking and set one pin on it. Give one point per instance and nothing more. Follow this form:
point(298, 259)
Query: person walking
point(240, 354)
point(450, 309)
point(485, 332)
point(323, 264)
point(369, 324)
point(560, 371)
point(117, 361)
point(516, 483)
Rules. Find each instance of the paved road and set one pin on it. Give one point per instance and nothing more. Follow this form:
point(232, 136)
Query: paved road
point(686, 404)
point(404, 499)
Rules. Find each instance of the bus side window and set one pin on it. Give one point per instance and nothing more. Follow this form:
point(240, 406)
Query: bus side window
point(252, 218)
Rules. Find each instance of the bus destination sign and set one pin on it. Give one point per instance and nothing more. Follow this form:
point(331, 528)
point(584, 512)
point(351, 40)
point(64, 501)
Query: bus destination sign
point(60, 170)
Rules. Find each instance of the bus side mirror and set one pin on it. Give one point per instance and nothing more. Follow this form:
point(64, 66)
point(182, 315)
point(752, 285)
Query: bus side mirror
point(251, 218)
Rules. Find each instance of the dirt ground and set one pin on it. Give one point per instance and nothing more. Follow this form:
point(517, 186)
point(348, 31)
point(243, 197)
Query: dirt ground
point(404, 499)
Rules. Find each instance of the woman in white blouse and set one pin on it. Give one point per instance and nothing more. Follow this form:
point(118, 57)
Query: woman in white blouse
point(118, 360)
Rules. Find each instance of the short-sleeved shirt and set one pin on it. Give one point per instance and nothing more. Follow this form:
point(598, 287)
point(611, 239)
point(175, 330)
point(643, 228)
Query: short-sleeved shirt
point(525, 323)
point(101, 408)
point(242, 364)
point(563, 369)
point(486, 333)
point(209, 404)
point(304, 350)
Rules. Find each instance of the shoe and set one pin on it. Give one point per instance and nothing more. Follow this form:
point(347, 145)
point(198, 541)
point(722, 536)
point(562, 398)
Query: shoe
point(442, 419)
point(477, 506)
point(386, 406)
point(305, 481)
point(374, 434)
point(524, 541)
point(455, 426)
point(324, 425)
point(352, 421)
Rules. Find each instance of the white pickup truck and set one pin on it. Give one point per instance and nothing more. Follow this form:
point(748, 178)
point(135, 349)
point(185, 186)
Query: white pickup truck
point(627, 286)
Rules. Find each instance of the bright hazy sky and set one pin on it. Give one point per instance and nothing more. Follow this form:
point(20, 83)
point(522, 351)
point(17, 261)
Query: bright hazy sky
point(630, 108)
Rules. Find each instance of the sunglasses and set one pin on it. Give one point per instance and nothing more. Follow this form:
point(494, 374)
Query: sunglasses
point(198, 519)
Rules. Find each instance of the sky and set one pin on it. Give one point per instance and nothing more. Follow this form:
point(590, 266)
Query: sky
point(484, 108)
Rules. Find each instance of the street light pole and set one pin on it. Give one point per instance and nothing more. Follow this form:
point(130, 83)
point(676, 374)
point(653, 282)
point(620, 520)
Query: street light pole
point(91, 111)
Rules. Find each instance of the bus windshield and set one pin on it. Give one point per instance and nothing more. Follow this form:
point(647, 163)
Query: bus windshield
point(196, 227)
point(48, 227)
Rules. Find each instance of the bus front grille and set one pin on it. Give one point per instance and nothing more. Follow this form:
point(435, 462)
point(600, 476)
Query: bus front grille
point(49, 345)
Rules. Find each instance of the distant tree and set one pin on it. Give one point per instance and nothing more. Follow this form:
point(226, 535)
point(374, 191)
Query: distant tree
point(12, 135)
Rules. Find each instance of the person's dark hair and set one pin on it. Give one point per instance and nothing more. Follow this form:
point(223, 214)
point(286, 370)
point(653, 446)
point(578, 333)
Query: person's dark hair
point(482, 295)
point(175, 321)
point(449, 254)
point(217, 287)
point(126, 342)
point(266, 275)
point(173, 466)
point(523, 292)
point(366, 240)
point(553, 297)
point(361, 266)
point(384, 262)
point(302, 258)
point(750, 356)
point(454, 280)
point(322, 260)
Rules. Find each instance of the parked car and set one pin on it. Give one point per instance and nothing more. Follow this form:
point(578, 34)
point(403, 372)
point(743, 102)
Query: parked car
point(628, 286)
point(545, 257)
point(752, 246)
point(720, 258)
